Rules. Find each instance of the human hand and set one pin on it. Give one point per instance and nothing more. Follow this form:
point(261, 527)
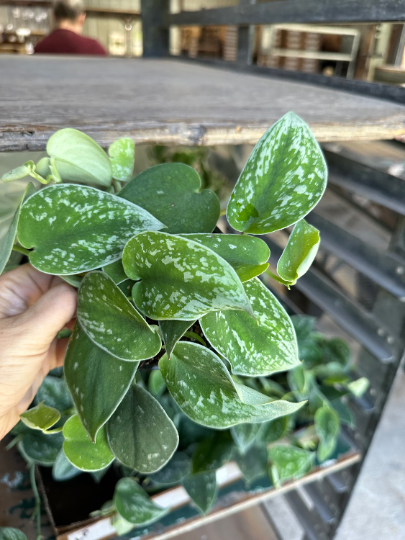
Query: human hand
point(34, 307)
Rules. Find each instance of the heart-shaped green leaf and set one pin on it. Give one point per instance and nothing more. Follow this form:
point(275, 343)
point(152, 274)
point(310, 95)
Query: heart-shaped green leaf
point(112, 322)
point(289, 462)
point(140, 433)
point(116, 272)
point(254, 348)
point(97, 381)
point(40, 447)
point(299, 253)
point(244, 435)
point(62, 468)
point(7, 242)
point(81, 451)
point(8, 533)
point(283, 179)
point(122, 156)
point(327, 425)
point(179, 278)
point(76, 228)
point(213, 452)
point(172, 331)
point(172, 193)
point(134, 504)
point(246, 254)
point(202, 387)
point(54, 393)
point(40, 417)
point(253, 464)
point(202, 489)
point(174, 471)
point(78, 158)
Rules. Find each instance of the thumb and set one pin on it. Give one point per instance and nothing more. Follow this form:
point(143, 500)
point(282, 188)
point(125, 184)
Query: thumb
point(39, 324)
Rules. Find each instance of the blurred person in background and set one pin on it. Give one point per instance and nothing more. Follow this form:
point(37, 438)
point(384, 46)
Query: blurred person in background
point(69, 18)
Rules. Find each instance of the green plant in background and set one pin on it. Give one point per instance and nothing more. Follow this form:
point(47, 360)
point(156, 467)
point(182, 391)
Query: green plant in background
point(174, 328)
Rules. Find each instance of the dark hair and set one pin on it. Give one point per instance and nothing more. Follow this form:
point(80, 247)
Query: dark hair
point(68, 9)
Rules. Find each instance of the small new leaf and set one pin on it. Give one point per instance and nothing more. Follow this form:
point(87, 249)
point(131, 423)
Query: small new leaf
point(122, 156)
point(40, 417)
point(327, 426)
point(299, 253)
point(134, 504)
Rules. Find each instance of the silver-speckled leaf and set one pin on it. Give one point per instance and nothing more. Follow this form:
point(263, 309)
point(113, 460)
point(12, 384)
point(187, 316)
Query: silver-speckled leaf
point(78, 158)
point(203, 388)
point(134, 504)
point(299, 253)
point(112, 322)
point(283, 179)
point(246, 254)
point(202, 489)
point(122, 156)
point(179, 278)
point(81, 451)
point(140, 433)
point(96, 380)
point(289, 462)
point(254, 348)
point(75, 229)
point(7, 242)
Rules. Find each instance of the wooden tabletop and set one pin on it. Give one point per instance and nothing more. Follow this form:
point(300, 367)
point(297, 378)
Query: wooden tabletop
point(171, 102)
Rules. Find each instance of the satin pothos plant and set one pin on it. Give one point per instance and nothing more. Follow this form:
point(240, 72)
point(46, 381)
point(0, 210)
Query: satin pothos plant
point(160, 288)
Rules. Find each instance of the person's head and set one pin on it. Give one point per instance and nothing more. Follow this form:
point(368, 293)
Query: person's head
point(70, 14)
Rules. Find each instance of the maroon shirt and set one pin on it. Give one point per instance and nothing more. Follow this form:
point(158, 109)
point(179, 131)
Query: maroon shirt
point(62, 41)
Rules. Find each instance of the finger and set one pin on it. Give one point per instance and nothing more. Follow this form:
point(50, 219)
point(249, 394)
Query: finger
point(38, 326)
point(22, 287)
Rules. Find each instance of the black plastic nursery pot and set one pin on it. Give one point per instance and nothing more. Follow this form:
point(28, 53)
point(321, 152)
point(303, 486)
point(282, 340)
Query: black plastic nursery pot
point(69, 503)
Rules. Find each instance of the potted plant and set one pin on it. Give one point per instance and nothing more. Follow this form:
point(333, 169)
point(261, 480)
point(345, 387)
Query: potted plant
point(173, 325)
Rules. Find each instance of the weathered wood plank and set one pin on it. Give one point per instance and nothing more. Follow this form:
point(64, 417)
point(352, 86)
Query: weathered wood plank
point(172, 102)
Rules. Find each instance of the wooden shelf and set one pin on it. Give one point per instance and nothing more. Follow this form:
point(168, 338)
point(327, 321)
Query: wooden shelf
point(172, 102)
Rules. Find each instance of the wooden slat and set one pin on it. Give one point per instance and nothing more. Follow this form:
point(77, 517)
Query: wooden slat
point(172, 102)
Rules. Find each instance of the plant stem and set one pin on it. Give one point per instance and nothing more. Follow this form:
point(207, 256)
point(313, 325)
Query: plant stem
point(22, 250)
point(223, 212)
point(279, 279)
point(37, 510)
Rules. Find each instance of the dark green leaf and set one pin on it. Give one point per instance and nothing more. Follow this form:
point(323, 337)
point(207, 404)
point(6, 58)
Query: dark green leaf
point(289, 462)
point(8, 240)
point(327, 426)
point(116, 272)
point(40, 417)
point(345, 414)
point(244, 435)
point(299, 253)
point(202, 489)
point(180, 279)
point(172, 331)
point(62, 468)
point(8, 533)
point(337, 350)
point(41, 448)
point(254, 347)
point(246, 254)
point(213, 452)
point(81, 451)
point(204, 390)
point(274, 430)
point(111, 321)
point(97, 381)
point(190, 432)
point(283, 179)
point(156, 383)
point(303, 325)
point(76, 228)
point(253, 464)
point(78, 158)
point(140, 433)
point(174, 471)
point(122, 156)
point(299, 382)
point(172, 193)
point(54, 393)
point(134, 504)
